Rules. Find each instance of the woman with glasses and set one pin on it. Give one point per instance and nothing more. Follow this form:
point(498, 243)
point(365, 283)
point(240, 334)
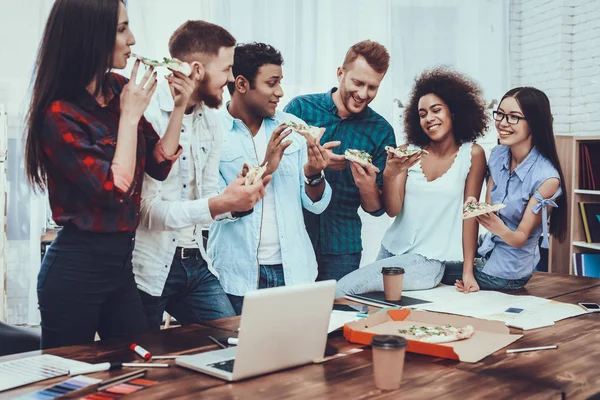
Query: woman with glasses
point(425, 193)
point(525, 174)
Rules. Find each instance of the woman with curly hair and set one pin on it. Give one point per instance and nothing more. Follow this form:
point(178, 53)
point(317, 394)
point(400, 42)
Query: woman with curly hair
point(526, 176)
point(426, 191)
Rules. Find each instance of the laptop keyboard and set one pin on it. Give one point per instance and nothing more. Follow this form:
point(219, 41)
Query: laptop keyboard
point(224, 365)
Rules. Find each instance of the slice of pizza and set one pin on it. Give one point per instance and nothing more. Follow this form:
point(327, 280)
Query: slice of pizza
point(253, 172)
point(471, 210)
point(361, 157)
point(439, 334)
point(171, 63)
point(309, 132)
point(404, 152)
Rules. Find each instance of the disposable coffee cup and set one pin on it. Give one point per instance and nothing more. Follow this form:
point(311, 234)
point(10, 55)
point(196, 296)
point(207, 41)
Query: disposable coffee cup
point(393, 277)
point(388, 361)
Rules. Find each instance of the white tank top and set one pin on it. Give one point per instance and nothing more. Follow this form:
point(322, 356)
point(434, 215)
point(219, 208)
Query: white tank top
point(430, 222)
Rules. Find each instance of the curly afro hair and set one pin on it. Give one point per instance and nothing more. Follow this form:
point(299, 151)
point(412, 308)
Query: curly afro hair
point(464, 98)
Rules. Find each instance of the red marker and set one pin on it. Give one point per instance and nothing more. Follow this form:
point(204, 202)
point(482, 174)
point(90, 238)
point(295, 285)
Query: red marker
point(145, 354)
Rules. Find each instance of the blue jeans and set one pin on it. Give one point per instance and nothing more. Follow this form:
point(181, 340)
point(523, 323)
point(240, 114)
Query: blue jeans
point(192, 294)
point(270, 276)
point(336, 266)
point(86, 285)
point(420, 273)
point(485, 281)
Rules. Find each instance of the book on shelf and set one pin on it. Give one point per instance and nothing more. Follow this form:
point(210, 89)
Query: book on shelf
point(590, 220)
point(589, 166)
point(586, 264)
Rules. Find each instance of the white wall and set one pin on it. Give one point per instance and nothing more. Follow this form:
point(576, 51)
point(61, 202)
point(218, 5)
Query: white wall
point(555, 46)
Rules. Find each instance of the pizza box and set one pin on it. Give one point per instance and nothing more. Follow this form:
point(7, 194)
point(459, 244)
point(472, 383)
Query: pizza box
point(489, 336)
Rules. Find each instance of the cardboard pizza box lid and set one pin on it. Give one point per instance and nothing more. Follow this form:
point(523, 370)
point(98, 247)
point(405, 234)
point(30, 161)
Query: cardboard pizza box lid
point(489, 336)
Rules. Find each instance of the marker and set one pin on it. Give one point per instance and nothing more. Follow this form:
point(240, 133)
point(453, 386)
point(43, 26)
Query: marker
point(164, 357)
point(362, 315)
point(531, 349)
point(232, 341)
point(145, 354)
point(109, 366)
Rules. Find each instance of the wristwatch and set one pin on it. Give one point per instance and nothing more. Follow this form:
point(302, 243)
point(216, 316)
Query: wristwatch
point(314, 180)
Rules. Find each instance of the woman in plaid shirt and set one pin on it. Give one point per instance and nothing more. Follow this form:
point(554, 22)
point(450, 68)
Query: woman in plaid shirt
point(89, 145)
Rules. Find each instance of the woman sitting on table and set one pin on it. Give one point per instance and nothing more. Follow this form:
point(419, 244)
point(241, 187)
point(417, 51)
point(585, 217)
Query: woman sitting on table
point(445, 114)
point(89, 144)
point(526, 176)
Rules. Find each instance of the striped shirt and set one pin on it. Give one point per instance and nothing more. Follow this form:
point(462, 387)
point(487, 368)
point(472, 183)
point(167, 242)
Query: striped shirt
point(338, 229)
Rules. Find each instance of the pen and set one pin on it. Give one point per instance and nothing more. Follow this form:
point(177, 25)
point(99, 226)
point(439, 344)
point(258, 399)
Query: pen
point(215, 341)
point(362, 315)
point(109, 366)
point(531, 349)
point(104, 384)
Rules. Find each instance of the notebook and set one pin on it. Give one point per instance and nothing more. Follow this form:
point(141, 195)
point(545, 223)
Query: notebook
point(377, 299)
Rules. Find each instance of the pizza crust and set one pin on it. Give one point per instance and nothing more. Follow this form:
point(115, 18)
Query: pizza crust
point(397, 151)
point(351, 155)
point(482, 208)
point(255, 172)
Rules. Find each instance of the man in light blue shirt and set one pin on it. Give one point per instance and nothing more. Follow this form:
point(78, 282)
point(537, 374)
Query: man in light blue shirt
point(269, 247)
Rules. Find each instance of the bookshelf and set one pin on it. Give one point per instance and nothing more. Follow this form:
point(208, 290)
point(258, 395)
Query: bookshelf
point(561, 254)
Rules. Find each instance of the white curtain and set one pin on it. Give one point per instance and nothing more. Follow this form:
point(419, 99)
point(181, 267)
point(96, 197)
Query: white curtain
point(313, 36)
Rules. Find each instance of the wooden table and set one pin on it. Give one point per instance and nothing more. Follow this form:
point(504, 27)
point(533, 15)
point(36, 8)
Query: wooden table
point(570, 372)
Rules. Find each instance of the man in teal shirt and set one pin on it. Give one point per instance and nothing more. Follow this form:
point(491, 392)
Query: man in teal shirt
point(344, 112)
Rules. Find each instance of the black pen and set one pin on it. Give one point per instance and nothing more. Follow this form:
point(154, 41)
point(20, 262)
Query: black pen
point(215, 341)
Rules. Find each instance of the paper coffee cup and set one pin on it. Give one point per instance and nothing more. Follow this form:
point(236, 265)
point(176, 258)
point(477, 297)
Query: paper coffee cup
point(388, 361)
point(393, 277)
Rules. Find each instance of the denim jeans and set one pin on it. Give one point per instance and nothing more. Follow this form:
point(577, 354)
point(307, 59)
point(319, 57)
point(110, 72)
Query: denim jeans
point(270, 276)
point(420, 273)
point(192, 294)
point(485, 281)
point(86, 285)
point(336, 266)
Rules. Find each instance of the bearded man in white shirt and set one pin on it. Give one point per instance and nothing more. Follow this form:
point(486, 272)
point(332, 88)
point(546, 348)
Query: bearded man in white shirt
point(169, 259)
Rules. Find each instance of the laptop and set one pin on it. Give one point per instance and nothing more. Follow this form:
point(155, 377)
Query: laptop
point(280, 328)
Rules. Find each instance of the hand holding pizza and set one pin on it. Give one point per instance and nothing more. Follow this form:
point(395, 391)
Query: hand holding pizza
point(241, 197)
point(181, 87)
point(135, 97)
point(276, 147)
point(492, 223)
point(364, 176)
point(318, 158)
point(396, 165)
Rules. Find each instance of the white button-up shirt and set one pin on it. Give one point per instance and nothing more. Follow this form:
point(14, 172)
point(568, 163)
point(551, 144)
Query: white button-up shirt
point(166, 207)
point(233, 246)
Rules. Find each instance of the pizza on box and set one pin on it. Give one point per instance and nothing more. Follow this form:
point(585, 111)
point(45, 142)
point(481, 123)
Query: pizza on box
point(173, 64)
point(471, 210)
point(361, 157)
point(438, 334)
point(253, 173)
point(309, 132)
point(397, 151)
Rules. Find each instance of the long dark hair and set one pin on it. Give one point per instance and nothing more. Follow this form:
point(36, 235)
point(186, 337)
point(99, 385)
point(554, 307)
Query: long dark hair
point(76, 49)
point(536, 108)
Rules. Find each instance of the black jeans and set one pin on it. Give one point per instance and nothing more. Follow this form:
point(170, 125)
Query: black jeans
point(86, 285)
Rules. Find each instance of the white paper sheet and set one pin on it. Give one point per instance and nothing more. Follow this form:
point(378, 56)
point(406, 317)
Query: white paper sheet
point(24, 371)
point(340, 318)
point(538, 312)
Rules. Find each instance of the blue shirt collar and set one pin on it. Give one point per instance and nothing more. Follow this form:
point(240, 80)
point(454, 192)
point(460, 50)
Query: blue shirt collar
point(522, 169)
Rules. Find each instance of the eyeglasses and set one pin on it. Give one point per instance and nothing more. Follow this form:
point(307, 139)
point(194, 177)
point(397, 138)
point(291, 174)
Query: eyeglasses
point(511, 119)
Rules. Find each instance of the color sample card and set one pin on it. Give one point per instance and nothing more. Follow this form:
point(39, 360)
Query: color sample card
point(70, 385)
point(120, 389)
